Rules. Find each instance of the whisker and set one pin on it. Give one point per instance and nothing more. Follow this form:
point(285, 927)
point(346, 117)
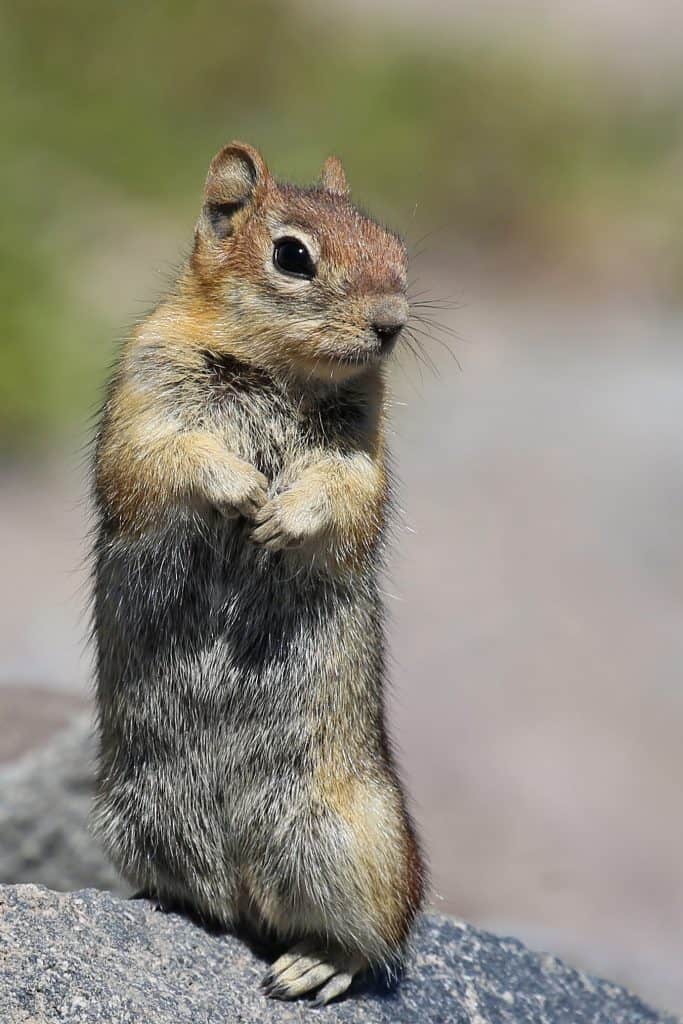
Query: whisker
point(431, 333)
point(421, 352)
point(420, 241)
point(436, 325)
point(418, 359)
point(447, 304)
point(418, 333)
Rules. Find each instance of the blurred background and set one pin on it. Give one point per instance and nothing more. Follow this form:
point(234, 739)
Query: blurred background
point(531, 153)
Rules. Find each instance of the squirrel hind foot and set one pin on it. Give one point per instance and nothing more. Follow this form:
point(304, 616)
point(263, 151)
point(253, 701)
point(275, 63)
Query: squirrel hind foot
point(306, 968)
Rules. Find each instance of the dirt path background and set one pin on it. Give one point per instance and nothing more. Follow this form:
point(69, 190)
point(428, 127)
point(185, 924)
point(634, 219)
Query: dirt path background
point(642, 39)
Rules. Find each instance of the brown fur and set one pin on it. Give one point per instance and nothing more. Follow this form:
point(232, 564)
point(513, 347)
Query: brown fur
point(242, 494)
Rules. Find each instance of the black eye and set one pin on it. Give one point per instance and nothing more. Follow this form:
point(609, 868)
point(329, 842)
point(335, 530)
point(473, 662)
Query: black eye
point(291, 256)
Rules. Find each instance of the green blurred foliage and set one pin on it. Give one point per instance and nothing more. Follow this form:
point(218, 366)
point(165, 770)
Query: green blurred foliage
point(113, 106)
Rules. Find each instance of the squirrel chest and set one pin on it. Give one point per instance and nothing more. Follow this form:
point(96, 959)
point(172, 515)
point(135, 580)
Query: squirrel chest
point(273, 426)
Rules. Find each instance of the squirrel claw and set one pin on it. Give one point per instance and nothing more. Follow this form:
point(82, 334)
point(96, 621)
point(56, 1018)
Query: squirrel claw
point(284, 523)
point(271, 533)
point(305, 970)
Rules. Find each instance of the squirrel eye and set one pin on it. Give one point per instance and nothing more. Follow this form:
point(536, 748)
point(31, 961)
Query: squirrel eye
point(291, 256)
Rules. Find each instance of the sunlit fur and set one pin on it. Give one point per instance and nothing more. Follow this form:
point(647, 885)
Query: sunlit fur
point(241, 496)
point(292, 325)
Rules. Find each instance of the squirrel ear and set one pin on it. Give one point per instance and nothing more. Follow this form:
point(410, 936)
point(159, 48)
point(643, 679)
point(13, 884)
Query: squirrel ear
point(333, 178)
point(235, 175)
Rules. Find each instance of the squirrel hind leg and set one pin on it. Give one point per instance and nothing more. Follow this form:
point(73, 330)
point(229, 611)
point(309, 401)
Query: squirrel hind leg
point(306, 968)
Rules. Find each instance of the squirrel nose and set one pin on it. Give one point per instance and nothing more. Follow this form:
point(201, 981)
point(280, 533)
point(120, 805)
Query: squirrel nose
point(388, 318)
point(386, 333)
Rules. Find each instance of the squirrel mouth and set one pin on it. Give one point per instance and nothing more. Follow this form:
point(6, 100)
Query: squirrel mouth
point(358, 358)
point(371, 347)
point(364, 356)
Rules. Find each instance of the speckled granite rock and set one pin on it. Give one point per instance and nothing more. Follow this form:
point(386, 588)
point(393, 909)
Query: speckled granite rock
point(45, 799)
point(90, 958)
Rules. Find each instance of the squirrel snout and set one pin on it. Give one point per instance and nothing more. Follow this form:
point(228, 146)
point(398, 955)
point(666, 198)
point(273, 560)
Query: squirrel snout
point(388, 317)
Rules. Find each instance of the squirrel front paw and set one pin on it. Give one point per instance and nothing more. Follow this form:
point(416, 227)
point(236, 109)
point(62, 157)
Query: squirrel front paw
point(292, 519)
point(235, 488)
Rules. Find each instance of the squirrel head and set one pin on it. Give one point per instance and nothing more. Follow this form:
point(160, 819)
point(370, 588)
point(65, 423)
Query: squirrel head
point(300, 279)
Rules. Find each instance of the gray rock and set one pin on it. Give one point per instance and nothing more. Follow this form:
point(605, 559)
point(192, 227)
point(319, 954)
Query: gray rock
point(90, 958)
point(44, 804)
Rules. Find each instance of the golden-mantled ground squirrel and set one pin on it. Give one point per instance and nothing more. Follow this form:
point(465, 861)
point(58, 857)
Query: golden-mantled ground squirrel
point(241, 495)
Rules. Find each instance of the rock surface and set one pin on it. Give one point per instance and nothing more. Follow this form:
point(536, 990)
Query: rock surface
point(91, 958)
point(45, 799)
